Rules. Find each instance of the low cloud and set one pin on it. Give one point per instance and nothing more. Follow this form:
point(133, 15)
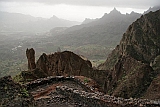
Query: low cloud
point(115, 3)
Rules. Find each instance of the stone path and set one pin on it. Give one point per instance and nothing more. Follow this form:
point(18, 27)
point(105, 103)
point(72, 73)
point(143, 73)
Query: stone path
point(47, 96)
point(78, 92)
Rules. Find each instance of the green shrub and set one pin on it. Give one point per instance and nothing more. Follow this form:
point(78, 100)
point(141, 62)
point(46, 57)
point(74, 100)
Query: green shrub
point(24, 92)
point(86, 80)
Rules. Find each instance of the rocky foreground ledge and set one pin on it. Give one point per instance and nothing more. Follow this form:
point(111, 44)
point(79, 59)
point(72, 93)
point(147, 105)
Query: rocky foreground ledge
point(90, 96)
point(53, 79)
point(101, 100)
point(75, 90)
point(13, 94)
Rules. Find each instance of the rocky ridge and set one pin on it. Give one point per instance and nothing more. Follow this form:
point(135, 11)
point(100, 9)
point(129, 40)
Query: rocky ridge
point(58, 64)
point(62, 64)
point(130, 63)
point(64, 91)
point(101, 100)
point(127, 72)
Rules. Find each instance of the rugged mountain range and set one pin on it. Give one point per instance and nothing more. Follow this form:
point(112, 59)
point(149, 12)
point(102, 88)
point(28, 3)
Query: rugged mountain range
point(153, 9)
point(99, 31)
point(87, 20)
point(131, 70)
point(94, 38)
point(16, 22)
point(132, 63)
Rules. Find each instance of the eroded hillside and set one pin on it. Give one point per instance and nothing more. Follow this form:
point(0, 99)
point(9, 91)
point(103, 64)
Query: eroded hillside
point(130, 63)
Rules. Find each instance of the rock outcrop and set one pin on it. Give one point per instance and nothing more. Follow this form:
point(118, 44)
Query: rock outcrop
point(130, 62)
point(30, 53)
point(58, 64)
point(13, 94)
point(63, 63)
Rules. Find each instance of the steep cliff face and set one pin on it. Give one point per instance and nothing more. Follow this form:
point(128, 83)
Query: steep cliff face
point(141, 40)
point(153, 92)
point(129, 63)
point(63, 63)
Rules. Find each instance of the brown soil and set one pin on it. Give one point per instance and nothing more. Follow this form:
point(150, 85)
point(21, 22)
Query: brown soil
point(89, 82)
point(48, 90)
point(47, 96)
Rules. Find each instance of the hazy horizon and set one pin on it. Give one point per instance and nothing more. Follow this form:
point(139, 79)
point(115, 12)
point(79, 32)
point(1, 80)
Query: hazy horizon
point(74, 10)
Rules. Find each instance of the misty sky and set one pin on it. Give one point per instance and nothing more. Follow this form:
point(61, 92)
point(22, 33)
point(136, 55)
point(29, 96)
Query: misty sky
point(75, 10)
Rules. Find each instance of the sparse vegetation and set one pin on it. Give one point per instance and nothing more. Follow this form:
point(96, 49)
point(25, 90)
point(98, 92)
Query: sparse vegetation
point(86, 80)
point(24, 92)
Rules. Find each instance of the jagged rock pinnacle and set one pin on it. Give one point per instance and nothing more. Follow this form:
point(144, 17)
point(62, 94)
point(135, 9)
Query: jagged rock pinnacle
point(30, 53)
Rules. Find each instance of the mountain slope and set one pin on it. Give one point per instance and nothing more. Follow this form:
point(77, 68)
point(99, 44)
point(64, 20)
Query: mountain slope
point(19, 22)
point(101, 31)
point(141, 40)
point(105, 32)
point(153, 9)
point(129, 63)
point(87, 20)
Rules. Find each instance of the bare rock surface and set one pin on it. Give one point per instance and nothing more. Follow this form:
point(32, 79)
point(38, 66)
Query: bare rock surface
point(130, 63)
point(30, 53)
point(63, 63)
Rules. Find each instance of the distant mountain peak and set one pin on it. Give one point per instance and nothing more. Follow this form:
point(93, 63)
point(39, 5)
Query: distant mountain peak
point(115, 11)
point(87, 20)
point(153, 9)
point(54, 17)
point(133, 13)
point(114, 14)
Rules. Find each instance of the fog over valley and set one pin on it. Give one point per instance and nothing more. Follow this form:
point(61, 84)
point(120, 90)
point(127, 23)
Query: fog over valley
point(89, 28)
point(80, 53)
